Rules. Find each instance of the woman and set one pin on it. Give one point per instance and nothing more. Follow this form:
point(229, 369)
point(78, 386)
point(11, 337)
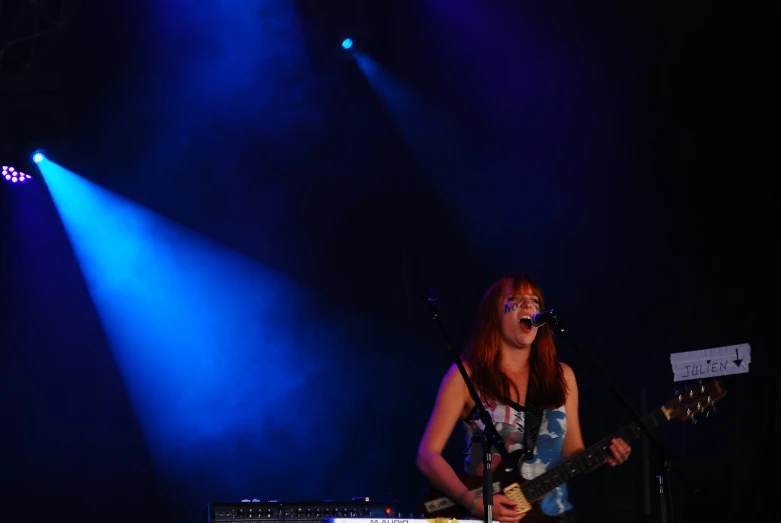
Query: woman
point(503, 352)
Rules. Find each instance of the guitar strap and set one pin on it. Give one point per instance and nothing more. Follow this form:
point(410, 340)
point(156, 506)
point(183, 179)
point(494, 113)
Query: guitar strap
point(532, 421)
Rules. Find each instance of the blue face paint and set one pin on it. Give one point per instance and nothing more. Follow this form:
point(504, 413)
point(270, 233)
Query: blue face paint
point(510, 307)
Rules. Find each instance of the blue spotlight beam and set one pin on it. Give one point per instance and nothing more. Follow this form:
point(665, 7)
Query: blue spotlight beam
point(208, 343)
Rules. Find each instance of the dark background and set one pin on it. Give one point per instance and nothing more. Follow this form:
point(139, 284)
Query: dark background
point(617, 151)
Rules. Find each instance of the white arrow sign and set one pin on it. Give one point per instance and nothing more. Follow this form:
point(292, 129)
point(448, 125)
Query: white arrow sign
point(701, 364)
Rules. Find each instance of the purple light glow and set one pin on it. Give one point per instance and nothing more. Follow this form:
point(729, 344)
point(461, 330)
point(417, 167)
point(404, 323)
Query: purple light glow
point(14, 176)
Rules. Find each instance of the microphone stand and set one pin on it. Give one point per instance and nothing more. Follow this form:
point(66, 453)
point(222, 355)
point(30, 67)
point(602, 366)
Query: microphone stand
point(488, 437)
point(667, 462)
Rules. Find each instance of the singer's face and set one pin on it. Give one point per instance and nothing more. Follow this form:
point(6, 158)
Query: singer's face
point(515, 306)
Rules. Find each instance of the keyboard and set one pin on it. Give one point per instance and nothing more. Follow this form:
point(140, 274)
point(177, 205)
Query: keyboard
point(399, 520)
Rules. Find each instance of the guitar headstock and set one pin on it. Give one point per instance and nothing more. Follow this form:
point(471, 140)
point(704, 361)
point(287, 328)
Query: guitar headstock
point(696, 399)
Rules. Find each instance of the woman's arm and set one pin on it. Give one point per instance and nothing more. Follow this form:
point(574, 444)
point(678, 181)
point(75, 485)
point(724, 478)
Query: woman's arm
point(450, 404)
point(573, 440)
point(452, 401)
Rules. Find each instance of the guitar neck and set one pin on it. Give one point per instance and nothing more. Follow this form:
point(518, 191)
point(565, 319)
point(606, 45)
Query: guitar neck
point(589, 459)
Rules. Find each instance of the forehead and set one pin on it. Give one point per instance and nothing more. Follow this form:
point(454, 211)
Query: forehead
point(525, 288)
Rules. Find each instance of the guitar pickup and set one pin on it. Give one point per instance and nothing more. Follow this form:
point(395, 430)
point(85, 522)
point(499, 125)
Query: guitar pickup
point(515, 493)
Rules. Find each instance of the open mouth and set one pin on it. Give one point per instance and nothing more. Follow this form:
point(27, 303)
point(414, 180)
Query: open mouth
point(526, 323)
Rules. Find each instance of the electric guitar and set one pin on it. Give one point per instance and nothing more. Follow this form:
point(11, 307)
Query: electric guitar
point(527, 493)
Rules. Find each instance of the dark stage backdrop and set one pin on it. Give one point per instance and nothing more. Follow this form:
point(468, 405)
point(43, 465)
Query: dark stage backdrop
point(220, 299)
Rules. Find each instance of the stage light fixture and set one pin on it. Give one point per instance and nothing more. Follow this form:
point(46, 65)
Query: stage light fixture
point(12, 175)
point(38, 157)
point(347, 43)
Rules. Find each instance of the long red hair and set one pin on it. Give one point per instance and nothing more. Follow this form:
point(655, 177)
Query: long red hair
point(483, 356)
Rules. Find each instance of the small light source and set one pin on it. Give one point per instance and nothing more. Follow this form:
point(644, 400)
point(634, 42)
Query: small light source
point(11, 175)
point(37, 157)
point(347, 43)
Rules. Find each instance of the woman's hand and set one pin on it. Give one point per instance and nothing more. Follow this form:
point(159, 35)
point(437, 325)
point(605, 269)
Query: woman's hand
point(503, 510)
point(620, 450)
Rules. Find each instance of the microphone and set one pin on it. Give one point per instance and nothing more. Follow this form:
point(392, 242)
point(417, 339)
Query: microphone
point(541, 318)
point(429, 295)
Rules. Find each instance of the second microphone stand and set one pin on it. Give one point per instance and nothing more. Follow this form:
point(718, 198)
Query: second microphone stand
point(668, 463)
point(486, 438)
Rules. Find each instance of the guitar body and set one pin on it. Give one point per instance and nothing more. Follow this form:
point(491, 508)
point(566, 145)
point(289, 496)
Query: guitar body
point(435, 504)
point(535, 515)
